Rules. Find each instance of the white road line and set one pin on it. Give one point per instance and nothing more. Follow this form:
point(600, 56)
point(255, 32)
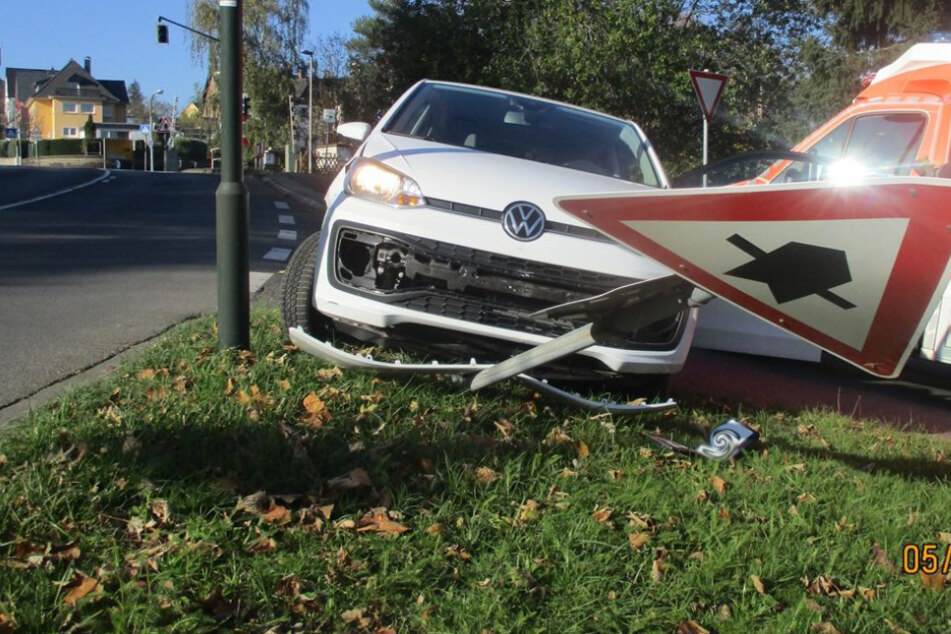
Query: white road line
point(287, 234)
point(286, 220)
point(281, 204)
point(257, 279)
point(277, 254)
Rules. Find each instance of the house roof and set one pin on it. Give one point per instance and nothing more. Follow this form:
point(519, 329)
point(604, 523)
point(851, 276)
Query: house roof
point(70, 81)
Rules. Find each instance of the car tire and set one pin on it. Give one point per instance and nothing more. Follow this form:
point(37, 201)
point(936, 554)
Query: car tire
point(297, 309)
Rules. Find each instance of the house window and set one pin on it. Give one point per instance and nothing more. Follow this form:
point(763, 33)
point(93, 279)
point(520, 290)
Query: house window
point(108, 111)
point(87, 108)
point(70, 132)
point(69, 106)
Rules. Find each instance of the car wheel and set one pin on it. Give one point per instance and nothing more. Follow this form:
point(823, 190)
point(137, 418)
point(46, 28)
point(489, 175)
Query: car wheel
point(297, 290)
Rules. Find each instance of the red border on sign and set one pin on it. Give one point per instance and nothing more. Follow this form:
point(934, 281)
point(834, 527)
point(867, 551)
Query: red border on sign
point(920, 271)
point(694, 74)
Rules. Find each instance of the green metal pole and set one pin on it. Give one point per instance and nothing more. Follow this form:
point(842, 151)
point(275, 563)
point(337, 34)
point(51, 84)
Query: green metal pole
point(231, 198)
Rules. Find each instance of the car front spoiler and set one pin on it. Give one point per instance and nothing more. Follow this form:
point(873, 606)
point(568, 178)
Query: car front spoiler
point(327, 352)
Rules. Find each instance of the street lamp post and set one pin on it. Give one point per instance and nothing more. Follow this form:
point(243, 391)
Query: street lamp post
point(152, 131)
point(310, 111)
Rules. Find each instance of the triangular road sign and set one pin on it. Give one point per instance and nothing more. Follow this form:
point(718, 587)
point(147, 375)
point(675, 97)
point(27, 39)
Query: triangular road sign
point(165, 125)
point(709, 89)
point(856, 270)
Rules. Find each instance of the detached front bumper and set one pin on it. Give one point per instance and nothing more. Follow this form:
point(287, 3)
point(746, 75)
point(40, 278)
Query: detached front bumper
point(326, 351)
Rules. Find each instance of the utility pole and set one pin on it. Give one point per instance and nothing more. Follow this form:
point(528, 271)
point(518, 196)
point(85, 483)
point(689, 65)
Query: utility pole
point(310, 112)
point(152, 131)
point(231, 197)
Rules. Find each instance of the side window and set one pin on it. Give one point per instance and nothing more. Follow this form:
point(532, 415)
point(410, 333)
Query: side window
point(887, 143)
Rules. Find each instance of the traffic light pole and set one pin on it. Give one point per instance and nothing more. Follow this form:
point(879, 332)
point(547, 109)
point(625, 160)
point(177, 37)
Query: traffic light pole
point(231, 198)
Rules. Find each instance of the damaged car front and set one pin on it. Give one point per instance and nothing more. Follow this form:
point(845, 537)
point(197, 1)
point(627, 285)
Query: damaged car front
point(441, 234)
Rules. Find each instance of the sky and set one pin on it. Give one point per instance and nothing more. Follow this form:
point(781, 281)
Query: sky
point(119, 36)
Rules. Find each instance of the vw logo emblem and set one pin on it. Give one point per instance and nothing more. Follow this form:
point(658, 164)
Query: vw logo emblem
point(523, 221)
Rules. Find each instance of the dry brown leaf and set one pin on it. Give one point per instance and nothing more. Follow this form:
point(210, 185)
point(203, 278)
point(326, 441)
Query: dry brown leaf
point(328, 374)
point(276, 514)
point(805, 498)
point(636, 540)
point(796, 468)
point(316, 411)
point(256, 503)
point(326, 510)
point(146, 374)
point(354, 479)
point(944, 538)
point(691, 627)
point(758, 584)
point(263, 545)
point(583, 451)
point(615, 474)
point(160, 512)
point(825, 628)
point(529, 512)
point(719, 484)
point(486, 475)
point(602, 515)
point(659, 565)
point(641, 520)
point(7, 624)
point(355, 616)
point(434, 529)
point(827, 586)
point(79, 587)
point(557, 437)
point(934, 581)
point(285, 385)
point(882, 560)
point(378, 521)
point(220, 607)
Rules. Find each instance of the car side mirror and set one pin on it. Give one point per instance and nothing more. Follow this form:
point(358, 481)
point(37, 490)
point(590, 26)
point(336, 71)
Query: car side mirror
point(355, 130)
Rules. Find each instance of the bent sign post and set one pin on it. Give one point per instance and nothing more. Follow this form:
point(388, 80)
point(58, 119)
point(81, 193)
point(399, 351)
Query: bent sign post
point(709, 89)
point(856, 270)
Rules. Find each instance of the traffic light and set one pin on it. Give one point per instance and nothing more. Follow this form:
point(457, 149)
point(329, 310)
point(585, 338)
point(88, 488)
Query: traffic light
point(162, 33)
point(245, 107)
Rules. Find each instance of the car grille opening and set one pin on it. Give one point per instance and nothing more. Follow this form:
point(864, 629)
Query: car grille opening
point(476, 286)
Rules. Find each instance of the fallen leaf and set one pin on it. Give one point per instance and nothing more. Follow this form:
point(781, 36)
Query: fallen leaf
point(603, 515)
point(355, 616)
point(317, 412)
point(636, 540)
point(583, 450)
point(79, 587)
point(796, 468)
point(378, 521)
point(758, 584)
point(805, 498)
point(641, 520)
point(659, 565)
point(284, 384)
point(146, 374)
point(691, 627)
point(263, 545)
point(485, 475)
point(719, 484)
point(504, 427)
point(934, 581)
point(219, 607)
point(328, 374)
point(434, 529)
point(277, 514)
point(825, 628)
point(882, 560)
point(944, 538)
point(827, 586)
point(354, 479)
point(255, 503)
point(529, 511)
point(160, 512)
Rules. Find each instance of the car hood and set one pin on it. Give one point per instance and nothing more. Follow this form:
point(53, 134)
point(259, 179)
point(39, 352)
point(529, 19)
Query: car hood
point(493, 181)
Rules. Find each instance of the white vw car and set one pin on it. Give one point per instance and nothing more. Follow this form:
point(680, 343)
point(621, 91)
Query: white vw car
point(441, 235)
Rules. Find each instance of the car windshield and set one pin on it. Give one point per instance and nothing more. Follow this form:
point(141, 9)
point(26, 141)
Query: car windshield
point(526, 128)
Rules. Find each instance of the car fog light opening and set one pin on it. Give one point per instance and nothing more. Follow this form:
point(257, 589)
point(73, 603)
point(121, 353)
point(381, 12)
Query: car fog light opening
point(374, 181)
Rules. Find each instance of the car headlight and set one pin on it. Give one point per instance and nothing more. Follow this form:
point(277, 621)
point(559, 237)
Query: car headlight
point(375, 181)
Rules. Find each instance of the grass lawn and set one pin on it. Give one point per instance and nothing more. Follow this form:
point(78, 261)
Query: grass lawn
point(204, 491)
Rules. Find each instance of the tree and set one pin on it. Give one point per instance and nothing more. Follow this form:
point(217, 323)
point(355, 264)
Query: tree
point(137, 108)
point(272, 34)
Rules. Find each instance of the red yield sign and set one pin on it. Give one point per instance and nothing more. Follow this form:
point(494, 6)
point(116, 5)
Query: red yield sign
point(709, 89)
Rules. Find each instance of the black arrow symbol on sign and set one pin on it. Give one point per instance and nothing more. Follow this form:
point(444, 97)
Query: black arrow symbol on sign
point(795, 270)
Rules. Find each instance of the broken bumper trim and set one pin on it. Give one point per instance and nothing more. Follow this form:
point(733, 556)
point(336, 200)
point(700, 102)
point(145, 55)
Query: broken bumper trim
point(327, 352)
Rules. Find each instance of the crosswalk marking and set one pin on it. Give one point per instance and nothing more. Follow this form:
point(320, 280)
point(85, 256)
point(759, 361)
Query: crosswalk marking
point(286, 220)
point(280, 204)
point(287, 234)
point(278, 254)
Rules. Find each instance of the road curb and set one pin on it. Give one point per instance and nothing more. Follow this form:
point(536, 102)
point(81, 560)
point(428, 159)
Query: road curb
point(98, 179)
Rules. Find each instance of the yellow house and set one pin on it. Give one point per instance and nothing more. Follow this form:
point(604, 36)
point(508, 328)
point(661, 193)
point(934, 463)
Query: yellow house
point(61, 102)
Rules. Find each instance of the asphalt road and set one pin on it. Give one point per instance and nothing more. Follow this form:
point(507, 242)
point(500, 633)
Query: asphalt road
point(89, 273)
